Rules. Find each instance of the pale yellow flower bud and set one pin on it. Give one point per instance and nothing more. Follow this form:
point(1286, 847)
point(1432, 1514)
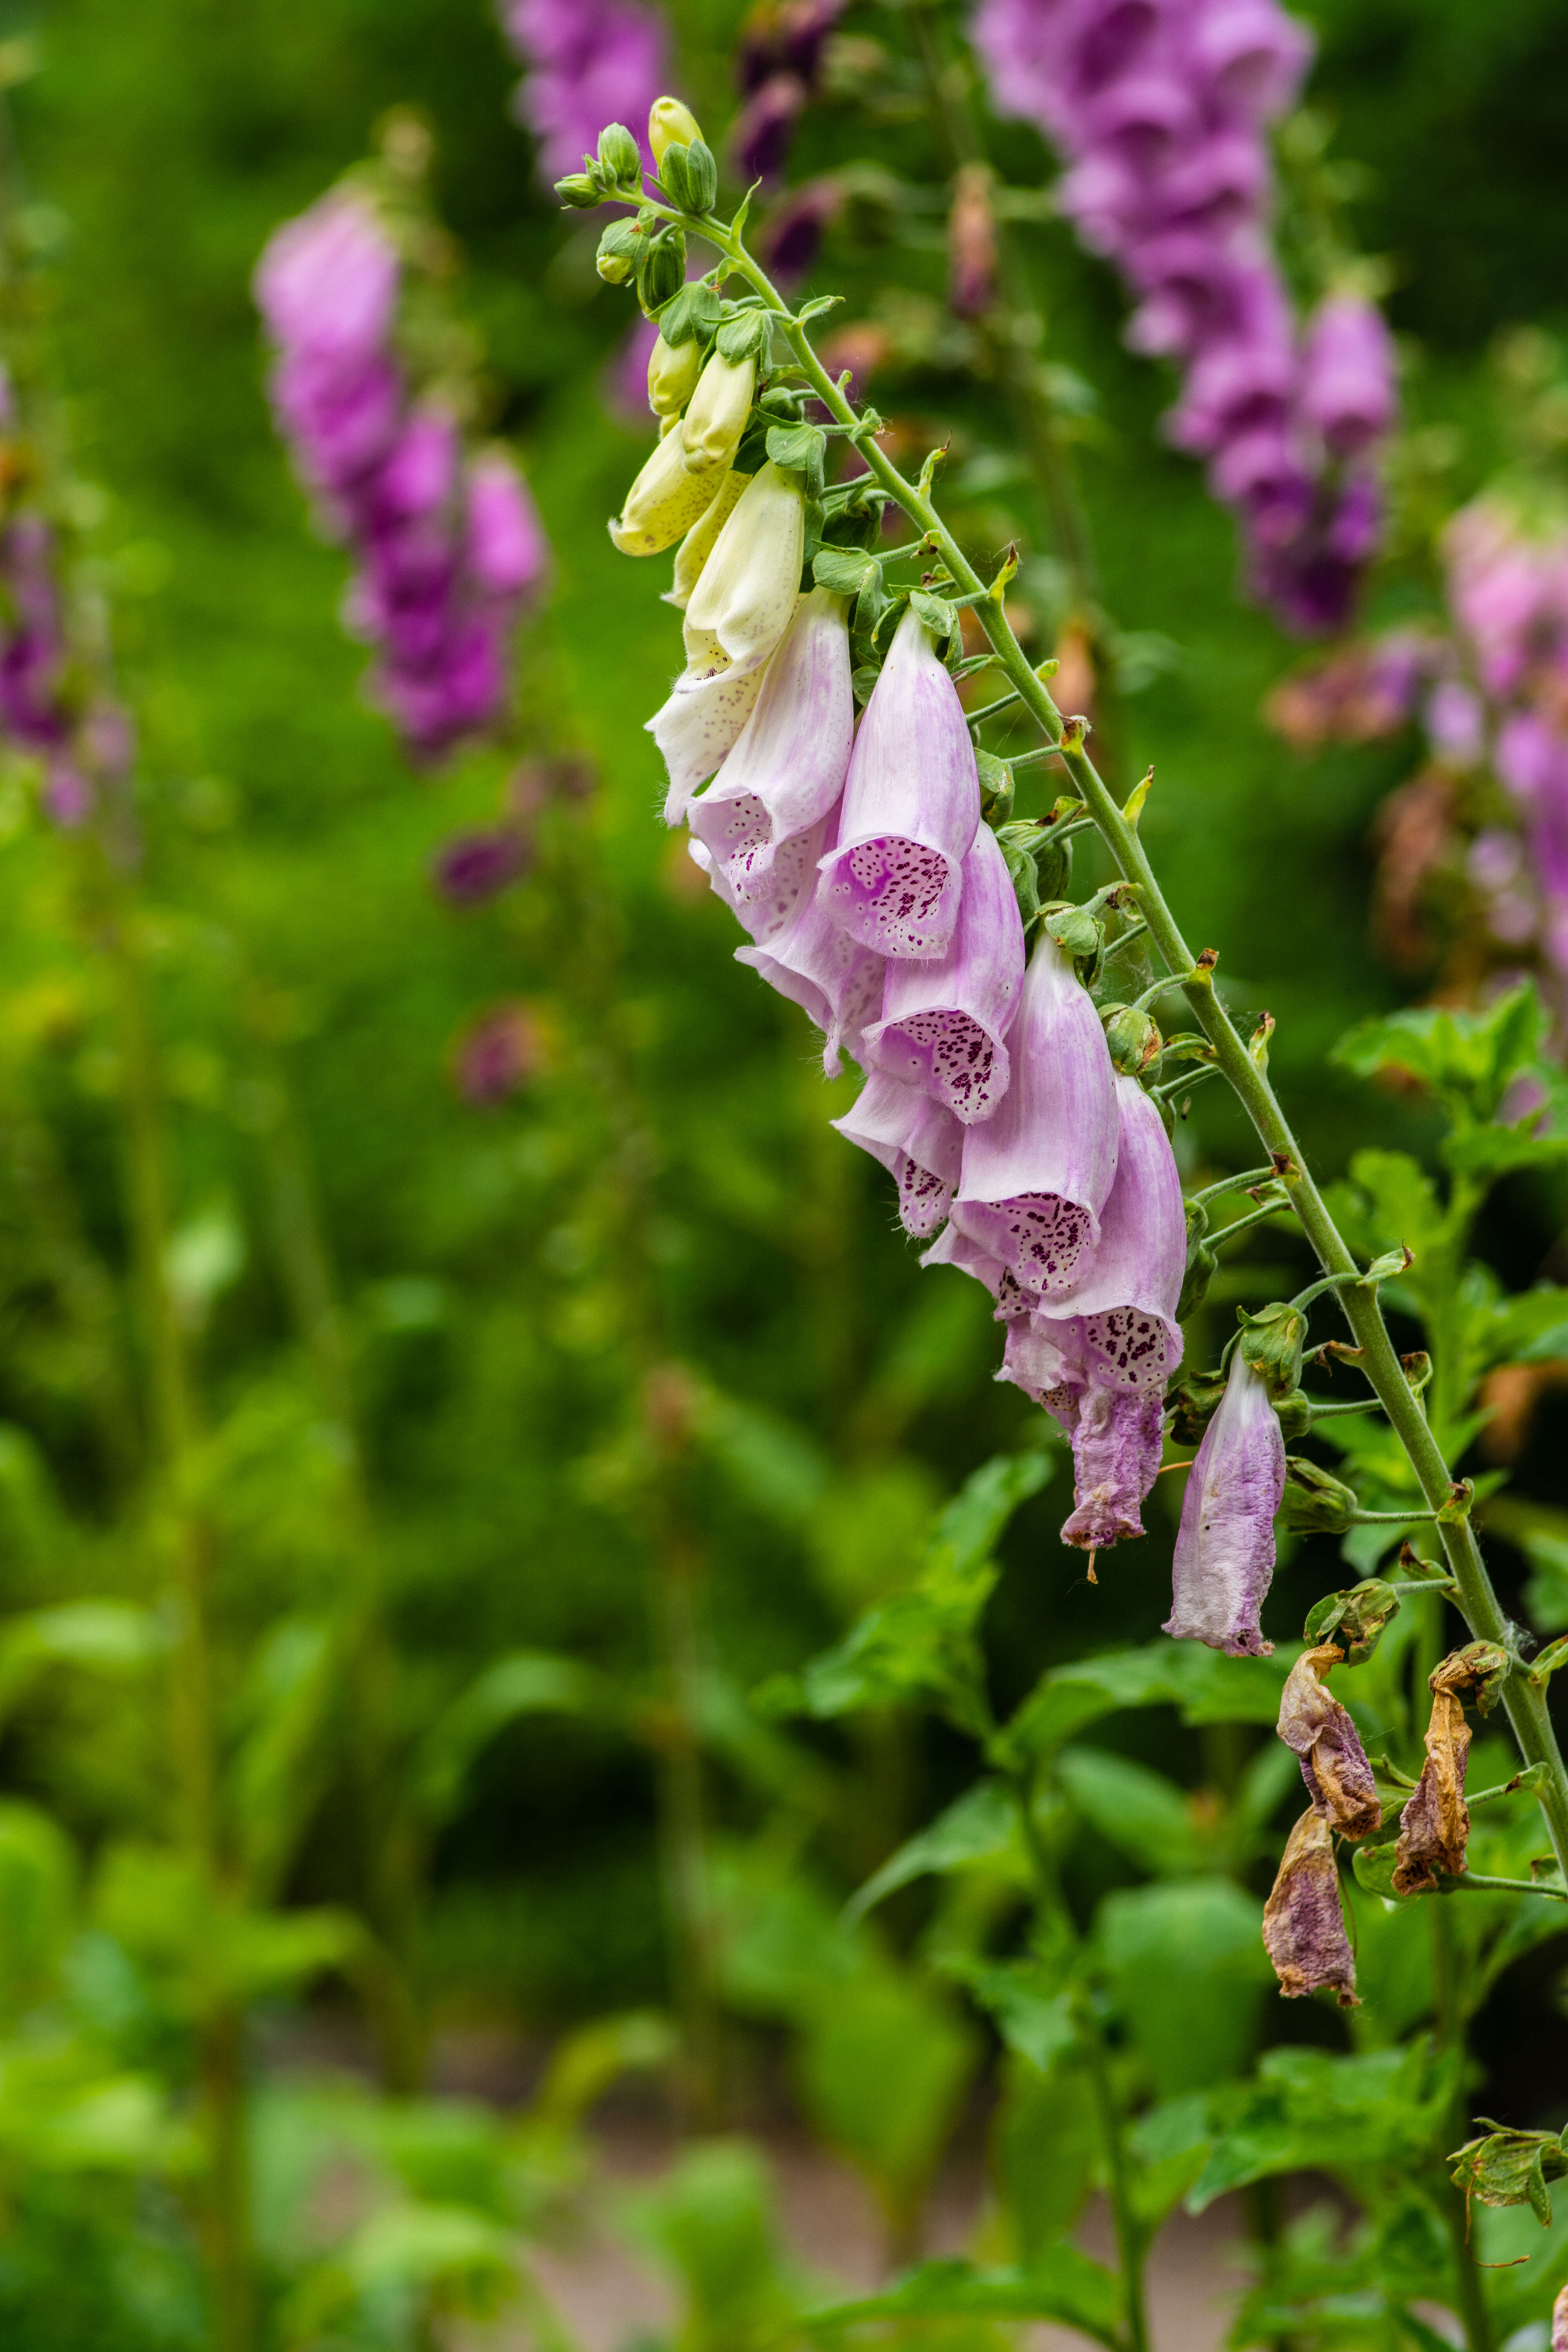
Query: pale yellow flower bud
point(672, 375)
point(697, 545)
point(670, 124)
point(664, 501)
point(717, 416)
point(740, 605)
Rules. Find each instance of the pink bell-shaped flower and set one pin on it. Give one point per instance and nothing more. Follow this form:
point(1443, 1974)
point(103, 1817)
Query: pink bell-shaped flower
point(911, 808)
point(1126, 1297)
point(1224, 1561)
point(787, 767)
point(918, 1142)
point(943, 1021)
point(836, 981)
point(1038, 1171)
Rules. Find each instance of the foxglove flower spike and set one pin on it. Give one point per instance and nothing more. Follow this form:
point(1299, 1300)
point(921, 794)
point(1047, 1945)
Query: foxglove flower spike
point(943, 1021)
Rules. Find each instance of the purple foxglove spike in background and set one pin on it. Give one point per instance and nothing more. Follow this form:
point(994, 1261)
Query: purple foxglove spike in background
point(1126, 1297)
point(1304, 1919)
point(787, 768)
point(778, 64)
point(918, 1142)
point(1117, 1435)
point(1037, 1172)
point(446, 548)
point(79, 751)
point(1160, 112)
point(475, 867)
point(943, 1021)
point(911, 808)
point(590, 63)
point(1224, 1561)
point(837, 982)
point(745, 595)
point(699, 726)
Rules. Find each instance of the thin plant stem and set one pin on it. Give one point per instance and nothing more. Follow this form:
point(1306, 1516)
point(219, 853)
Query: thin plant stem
point(184, 1546)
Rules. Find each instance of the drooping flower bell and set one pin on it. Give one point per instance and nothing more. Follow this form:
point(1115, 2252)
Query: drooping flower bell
point(1224, 1559)
point(1304, 1919)
point(1038, 1171)
point(664, 501)
point(919, 1143)
point(787, 767)
point(745, 594)
point(710, 432)
point(1348, 391)
point(836, 981)
point(1319, 1730)
point(911, 808)
point(1435, 1826)
point(703, 538)
point(945, 1020)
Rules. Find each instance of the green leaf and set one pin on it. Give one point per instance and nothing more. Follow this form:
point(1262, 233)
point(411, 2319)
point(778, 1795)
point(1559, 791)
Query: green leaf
point(980, 1826)
point(104, 1637)
point(1138, 1812)
point(883, 2066)
point(694, 310)
point(1050, 2145)
point(1188, 1972)
point(1035, 2017)
point(814, 309)
point(798, 448)
point(1207, 1685)
point(845, 570)
point(934, 612)
point(745, 338)
point(1064, 2286)
point(528, 1681)
point(1466, 1058)
point(1308, 2108)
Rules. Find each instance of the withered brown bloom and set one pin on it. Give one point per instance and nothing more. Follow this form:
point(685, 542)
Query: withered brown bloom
point(1434, 1827)
point(1304, 1922)
point(1333, 1761)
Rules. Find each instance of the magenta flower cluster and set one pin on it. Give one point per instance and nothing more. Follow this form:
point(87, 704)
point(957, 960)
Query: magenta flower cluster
point(588, 62)
point(448, 543)
point(1160, 110)
point(878, 900)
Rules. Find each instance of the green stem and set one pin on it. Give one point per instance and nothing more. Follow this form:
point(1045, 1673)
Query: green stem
point(1448, 2006)
point(1130, 2244)
point(220, 2059)
point(1526, 1704)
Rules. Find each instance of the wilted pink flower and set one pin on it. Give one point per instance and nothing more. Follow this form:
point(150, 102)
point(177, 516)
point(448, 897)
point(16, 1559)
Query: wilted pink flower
point(943, 1020)
point(1037, 1172)
point(918, 1142)
point(911, 808)
point(787, 767)
point(1304, 1920)
point(1224, 1560)
point(1319, 1730)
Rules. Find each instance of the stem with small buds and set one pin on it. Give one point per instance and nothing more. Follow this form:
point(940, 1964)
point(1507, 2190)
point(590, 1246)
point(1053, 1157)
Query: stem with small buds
point(1477, 1599)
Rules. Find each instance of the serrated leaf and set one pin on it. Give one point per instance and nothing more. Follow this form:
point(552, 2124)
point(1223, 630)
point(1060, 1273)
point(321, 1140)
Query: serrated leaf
point(1035, 2017)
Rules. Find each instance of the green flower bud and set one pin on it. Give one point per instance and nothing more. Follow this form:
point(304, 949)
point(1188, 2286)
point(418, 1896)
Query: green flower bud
point(1131, 1037)
point(996, 803)
point(664, 501)
point(580, 192)
point(1202, 1264)
point(672, 376)
point(1355, 1619)
point(691, 177)
point(619, 159)
point(1511, 2167)
point(620, 250)
point(1271, 1342)
point(1314, 1502)
point(1294, 1413)
point(663, 270)
point(1194, 1403)
point(717, 416)
point(670, 124)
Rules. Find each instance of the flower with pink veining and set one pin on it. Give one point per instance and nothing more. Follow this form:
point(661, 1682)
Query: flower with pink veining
point(945, 1020)
point(1224, 1561)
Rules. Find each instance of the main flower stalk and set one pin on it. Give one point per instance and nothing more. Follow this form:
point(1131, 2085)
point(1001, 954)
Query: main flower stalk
point(1524, 1699)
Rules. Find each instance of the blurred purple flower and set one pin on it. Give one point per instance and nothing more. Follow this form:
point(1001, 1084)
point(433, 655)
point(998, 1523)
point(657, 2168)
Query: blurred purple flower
point(1160, 108)
point(447, 546)
point(473, 867)
point(500, 1052)
point(590, 63)
point(778, 65)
